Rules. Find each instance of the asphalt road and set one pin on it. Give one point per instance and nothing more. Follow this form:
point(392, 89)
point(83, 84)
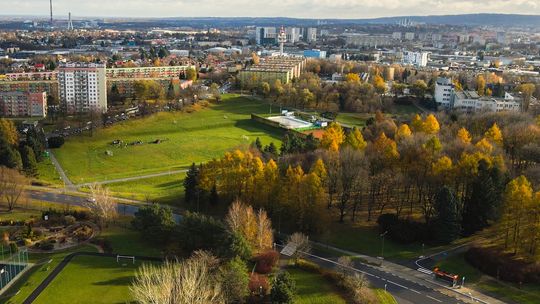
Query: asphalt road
point(73, 200)
point(405, 292)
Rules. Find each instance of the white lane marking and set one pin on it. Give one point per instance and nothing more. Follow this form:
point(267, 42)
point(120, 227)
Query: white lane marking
point(391, 282)
point(434, 299)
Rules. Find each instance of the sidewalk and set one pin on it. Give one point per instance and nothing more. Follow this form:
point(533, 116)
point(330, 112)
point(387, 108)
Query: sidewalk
point(464, 293)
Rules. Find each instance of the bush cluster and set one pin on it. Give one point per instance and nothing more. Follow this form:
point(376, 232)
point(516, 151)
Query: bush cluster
point(266, 261)
point(401, 230)
point(494, 262)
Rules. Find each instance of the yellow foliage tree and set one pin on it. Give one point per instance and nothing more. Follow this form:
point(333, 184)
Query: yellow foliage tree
point(333, 137)
point(417, 124)
point(431, 125)
point(379, 84)
point(480, 85)
point(494, 135)
point(464, 136)
point(484, 146)
point(403, 132)
point(355, 139)
point(9, 132)
point(352, 77)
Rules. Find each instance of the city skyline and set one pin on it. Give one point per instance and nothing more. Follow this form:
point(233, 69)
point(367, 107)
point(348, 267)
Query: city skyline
point(340, 9)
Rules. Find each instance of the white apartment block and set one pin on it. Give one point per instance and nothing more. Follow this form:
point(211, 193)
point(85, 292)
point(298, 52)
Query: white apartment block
point(82, 87)
point(293, 34)
point(409, 36)
point(419, 59)
point(311, 34)
point(444, 92)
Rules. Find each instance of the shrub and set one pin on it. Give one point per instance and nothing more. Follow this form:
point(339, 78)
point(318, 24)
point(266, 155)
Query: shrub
point(105, 244)
point(266, 261)
point(283, 289)
point(494, 262)
point(69, 219)
point(258, 283)
point(307, 266)
point(56, 142)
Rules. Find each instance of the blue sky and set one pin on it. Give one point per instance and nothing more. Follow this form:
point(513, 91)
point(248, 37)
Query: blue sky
point(266, 8)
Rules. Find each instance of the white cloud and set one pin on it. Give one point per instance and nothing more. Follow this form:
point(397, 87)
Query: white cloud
point(266, 8)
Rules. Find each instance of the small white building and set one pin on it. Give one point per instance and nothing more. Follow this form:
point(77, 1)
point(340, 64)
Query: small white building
point(444, 92)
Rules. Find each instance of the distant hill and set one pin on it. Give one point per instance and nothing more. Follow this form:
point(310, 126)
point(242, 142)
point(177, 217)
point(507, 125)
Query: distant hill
point(468, 19)
point(465, 19)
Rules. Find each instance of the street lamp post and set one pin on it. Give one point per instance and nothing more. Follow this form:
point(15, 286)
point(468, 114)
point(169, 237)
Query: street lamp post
point(382, 247)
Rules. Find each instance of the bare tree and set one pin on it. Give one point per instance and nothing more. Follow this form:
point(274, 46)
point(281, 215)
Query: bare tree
point(12, 186)
point(195, 280)
point(101, 204)
point(302, 244)
point(255, 227)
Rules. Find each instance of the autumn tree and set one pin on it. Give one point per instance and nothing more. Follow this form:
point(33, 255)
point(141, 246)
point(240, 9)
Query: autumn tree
point(355, 139)
point(517, 200)
point(379, 84)
point(526, 90)
point(12, 186)
point(194, 280)
point(9, 132)
point(494, 135)
point(480, 85)
point(403, 132)
point(254, 226)
point(464, 136)
point(333, 137)
point(431, 125)
point(101, 205)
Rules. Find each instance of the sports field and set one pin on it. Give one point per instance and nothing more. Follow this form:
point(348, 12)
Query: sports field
point(183, 138)
point(104, 281)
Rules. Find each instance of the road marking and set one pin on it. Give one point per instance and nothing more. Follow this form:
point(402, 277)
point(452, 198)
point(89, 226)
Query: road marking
point(434, 299)
point(391, 282)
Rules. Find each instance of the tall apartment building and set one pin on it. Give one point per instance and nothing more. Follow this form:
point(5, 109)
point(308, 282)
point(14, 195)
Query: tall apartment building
point(293, 34)
point(23, 104)
point(444, 90)
point(82, 87)
point(419, 59)
point(266, 35)
point(311, 34)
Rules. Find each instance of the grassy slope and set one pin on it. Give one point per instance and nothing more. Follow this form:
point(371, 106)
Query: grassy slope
point(127, 241)
point(314, 289)
point(104, 281)
point(163, 189)
point(47, 173)
point(189, 137)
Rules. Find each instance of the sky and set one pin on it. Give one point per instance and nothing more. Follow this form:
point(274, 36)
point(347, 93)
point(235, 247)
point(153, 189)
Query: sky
point(266, 8)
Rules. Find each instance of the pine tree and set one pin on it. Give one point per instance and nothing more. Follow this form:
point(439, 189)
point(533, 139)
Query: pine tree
point(29, 160)
point(446, 225)
point(356, 140)
point(258, 144)
point(271, 149)
point(9, 156)
point(483, 200)
point(191, 183)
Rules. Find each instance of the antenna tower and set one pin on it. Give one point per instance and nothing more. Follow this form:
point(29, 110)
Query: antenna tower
point(282, 38)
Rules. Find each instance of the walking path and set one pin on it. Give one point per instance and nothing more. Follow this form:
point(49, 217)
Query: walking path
point(41, 287)
point(67, 182)
point(127, 179)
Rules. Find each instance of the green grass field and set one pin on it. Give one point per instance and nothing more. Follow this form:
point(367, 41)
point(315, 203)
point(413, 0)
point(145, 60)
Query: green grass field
point(353, 119)
point(186, 138)
point(127, 241)
point(31, 279)
point(47, 173)
point(104, 281)
point(166, 189)
point(312, 288)
point(385, 297)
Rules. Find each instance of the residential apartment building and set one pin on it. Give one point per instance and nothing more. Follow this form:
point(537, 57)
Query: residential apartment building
point(82, 87)
point(266, 35)
point(272, 68)
point(311, 34)
point(23, 104)
point(368, 40)
point(419, 59)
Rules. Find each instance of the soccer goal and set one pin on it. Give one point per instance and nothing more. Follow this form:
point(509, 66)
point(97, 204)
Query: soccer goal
point(125, 257)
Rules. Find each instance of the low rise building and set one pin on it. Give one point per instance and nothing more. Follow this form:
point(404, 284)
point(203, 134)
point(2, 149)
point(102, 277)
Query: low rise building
point(314, 54)
point(272, 68)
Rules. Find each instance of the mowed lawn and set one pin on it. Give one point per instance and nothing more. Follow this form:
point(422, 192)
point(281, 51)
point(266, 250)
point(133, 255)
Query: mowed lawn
point(312, 288)
point(186, 137)
point(91, 280)
point(167, 189)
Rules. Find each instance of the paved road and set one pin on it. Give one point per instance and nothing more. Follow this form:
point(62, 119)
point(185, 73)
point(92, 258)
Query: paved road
point(73, 200)
point(405, 291)
point(33, 296)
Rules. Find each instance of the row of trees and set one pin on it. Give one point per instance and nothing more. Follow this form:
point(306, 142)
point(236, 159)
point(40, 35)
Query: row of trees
point(383, 168)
